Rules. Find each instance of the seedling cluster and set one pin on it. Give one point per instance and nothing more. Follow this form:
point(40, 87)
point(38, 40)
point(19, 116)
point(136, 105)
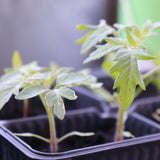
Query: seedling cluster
point(51, 84)
point(54, 84)
point(125, 51)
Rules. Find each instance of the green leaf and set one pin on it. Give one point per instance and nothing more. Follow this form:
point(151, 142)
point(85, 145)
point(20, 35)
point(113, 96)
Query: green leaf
point(136, 31)
point(115, 41)
point(128, 78)
point(102, 51)
point(9, 87)
point(16, 60)
point(54, 66)
point(63, 92)
point(82, 27)
point(58, 73)
point(147, 26)
point(51, 98)
point(108, 63)
point(8, 75)
point(31, 68)
point(73, 79)
point(130, 36)
point(31, 91)
point(84, 38)
point(69, 79)
point(62, 71)
point(67, 93)
point(96, 37)
point(54, 99)
point(59, 108)
point(141, 54)
point(38, 76)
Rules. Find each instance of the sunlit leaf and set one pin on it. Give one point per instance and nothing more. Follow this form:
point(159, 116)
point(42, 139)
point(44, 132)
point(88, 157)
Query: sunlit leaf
point(141, 54)
point(53, 99)
point(38, 76)
point(54, 66)
point(147, 26)
point(131, 38)
point(31, 91)
point(82, 27)
point(67, 93)
point(115, 41)
point(96, 37)
point(102, 51)
point(59, 108)
point(84, 38)
point(16, 60)
point(108, 63)
point(9, 87)
point(62, 71)
point(73, 79)
point(128, 78)
point(8, 75)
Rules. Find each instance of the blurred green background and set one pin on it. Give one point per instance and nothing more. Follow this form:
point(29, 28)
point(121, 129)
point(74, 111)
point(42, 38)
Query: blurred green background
point(139, 11)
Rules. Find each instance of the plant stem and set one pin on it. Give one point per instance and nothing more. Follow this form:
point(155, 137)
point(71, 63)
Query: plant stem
point(25, 108)
point(52, 127)
point(120, 123)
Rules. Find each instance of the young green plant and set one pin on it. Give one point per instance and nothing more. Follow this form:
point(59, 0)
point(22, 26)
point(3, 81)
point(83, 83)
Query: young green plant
point(27, 70)
point(52, 85)
point(126, 51)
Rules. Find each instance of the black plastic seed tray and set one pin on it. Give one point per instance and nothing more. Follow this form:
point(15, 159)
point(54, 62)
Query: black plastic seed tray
point(146, 107)
point(146, 145)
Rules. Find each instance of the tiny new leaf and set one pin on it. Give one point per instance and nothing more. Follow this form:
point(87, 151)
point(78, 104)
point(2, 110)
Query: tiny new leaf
point(16, 60)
